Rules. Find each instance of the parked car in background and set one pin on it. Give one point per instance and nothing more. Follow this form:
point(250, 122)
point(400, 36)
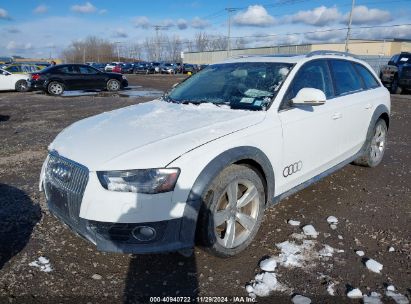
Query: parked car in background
point(110, 66)
point(167, 68)
point(22, 68)
point(142, 68)
point(13, 82)
point(118, 69)
point(396, 75)
point(56, 79)
point(215, 152)
point(189, 68)
point(155, 67)
point(127, 68)
point(98, 66)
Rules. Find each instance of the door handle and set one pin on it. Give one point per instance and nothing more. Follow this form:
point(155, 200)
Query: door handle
point(336, 116)
point(368, 106)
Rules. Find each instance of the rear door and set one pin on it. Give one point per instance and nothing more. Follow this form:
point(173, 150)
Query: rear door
point(310, 133)
point(355, 89)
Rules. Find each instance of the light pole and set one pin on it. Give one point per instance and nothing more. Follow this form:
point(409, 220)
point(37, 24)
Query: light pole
point(229, 11)
point(349, 26)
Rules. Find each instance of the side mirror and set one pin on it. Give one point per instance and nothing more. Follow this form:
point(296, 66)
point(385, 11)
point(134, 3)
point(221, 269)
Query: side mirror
point(309, 97)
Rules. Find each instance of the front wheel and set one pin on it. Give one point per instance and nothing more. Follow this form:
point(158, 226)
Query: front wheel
point(395, 88)
point(55, 88)
point(113, 85)
point(22, 86)
point(232, 211)
point(375, 146)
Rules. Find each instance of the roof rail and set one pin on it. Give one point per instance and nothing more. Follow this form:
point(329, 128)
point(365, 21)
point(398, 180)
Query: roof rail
point(326, 52)
point(263, 55)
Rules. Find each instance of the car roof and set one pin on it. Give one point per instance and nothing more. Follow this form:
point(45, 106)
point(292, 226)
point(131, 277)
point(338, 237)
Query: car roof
point(293, 59)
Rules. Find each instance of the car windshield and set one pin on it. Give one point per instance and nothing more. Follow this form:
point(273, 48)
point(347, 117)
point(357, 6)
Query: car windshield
point(241, 85)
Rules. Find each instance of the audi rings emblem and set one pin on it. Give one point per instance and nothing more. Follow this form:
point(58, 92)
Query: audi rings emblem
point(293, 168)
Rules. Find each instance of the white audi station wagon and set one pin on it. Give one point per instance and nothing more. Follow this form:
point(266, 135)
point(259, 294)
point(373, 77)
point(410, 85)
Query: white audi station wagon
point(204, 161)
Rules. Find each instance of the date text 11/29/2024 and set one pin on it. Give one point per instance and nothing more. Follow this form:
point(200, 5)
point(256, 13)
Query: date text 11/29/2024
point(203, 299)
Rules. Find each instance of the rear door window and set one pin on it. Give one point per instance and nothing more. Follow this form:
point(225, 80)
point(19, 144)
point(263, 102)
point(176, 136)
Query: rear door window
point(346, 79)
point(369, 81)
point(87, 70)
point(68, 69)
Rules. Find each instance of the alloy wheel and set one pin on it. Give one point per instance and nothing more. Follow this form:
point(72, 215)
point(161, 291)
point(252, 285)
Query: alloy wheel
point(378, 143)
point(236, 213)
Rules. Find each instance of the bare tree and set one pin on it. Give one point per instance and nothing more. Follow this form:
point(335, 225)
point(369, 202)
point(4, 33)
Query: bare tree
point(90, 49)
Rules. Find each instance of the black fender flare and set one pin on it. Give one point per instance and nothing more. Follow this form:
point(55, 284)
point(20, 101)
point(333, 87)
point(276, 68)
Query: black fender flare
point(378, 112)
point(207, 175)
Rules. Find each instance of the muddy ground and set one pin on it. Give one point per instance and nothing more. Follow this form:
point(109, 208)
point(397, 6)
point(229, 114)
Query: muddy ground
point(373, 207)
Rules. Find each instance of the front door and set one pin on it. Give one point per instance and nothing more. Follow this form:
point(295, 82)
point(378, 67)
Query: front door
point(6, 80)
point(310, 133)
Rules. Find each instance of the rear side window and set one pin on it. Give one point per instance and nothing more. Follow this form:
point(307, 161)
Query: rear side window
point(345, 77)
point(367, 77)
point(68, 69)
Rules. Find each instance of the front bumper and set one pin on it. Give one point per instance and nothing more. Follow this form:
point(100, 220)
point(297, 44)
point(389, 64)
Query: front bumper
point(65, 196)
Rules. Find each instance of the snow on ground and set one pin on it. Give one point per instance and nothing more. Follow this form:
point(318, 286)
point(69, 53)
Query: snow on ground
point(397, 297)
point(354, 294)
point(360, 253)
point(373, 266)
point(331, 289)
point(294, 223)
point(263, 284)
point(373, 298)
point(391, 249)
point(299, 299)
point(42, 263)
point(332, 220)
point(309, 230)
point(268, 264)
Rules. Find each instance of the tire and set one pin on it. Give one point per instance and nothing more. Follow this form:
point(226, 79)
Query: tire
point(221, 224)
point(395, 88)
point(375, 146)
point(55, 88)
point(22, 86)
point(113, 85)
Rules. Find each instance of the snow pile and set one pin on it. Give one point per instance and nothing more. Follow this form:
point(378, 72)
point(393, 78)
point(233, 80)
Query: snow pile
point(263, 284)
point(294, 255)
point(294, 223)
point(328, 251)
point(299, 299)
point(391, 249)
point(397, 297)
point(354, 294)
point(268, 264)
point(332, 220)
point(360, 253)
point(42, 263)
point(373, 298)
point(309, 230)
point(373, 266)
point(331, 289)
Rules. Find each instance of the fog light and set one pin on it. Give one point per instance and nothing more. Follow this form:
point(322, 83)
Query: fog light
point(144, 233)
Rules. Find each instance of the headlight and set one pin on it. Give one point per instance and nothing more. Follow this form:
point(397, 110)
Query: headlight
point(148, 181)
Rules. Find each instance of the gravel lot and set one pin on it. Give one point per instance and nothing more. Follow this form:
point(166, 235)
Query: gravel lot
point(373, 207)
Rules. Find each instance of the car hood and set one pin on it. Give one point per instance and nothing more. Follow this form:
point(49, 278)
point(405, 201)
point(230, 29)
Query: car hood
point(150, 134)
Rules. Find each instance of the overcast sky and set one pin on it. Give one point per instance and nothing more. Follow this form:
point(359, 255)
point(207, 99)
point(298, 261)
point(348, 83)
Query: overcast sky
point(36, 28)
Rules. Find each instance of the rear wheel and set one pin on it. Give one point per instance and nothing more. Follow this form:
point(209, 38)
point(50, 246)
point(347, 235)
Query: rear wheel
point(375, 146)
point(55, 88)
point(113, 85)
point(22, 86)
point(232, 211)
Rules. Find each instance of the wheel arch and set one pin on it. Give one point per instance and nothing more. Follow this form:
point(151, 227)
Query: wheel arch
point(381, 111)
point(246, 155)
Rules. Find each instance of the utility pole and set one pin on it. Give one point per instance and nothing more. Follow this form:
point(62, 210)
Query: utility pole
point(157, 29)
point(229, 11)
point(118, 50)
point(84, 54)
point(349, 26)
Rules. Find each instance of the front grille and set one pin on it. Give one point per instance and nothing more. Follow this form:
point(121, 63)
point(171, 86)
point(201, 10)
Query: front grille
point(65, 182)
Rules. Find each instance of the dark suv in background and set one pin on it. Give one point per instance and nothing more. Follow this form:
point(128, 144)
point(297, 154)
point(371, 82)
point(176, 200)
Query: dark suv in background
point(59, 78)
point(397, 73)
